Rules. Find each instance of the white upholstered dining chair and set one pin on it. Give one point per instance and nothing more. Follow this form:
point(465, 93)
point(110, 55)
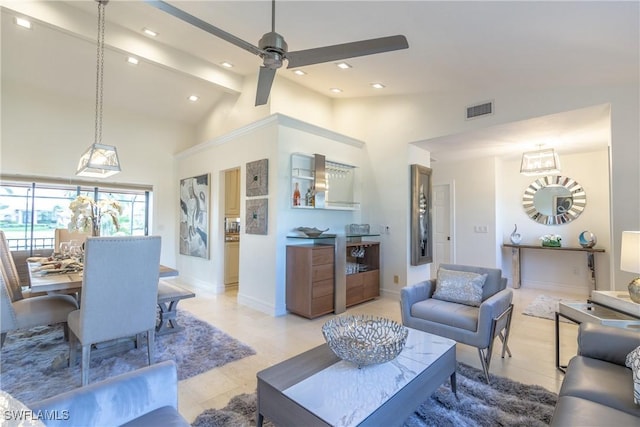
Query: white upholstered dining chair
point(26, 313)
point(64, 235)
point(11, 277)
point(119, 294)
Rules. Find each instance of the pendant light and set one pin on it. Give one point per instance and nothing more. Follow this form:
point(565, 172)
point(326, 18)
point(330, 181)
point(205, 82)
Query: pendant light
point(100, 160)
point(540, 162)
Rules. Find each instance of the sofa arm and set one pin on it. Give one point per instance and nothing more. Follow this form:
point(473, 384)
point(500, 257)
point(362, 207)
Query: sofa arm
point(410, 295)
point(116, 400)
point(618, 342)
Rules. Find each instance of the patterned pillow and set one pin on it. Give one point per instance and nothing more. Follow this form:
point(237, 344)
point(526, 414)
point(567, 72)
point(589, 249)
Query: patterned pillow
point(633, 362)
point(462, 287)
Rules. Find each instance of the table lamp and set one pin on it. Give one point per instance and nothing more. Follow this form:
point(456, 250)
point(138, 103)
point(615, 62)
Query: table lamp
point(630, 261)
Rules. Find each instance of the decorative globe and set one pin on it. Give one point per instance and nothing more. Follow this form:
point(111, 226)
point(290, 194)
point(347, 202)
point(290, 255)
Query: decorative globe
point(365, 340)
point(587, 239)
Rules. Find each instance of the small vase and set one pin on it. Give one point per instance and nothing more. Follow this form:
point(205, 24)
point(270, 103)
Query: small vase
point(551, 244)
point(515, 237)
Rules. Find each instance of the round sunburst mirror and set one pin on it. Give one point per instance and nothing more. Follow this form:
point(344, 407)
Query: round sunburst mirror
point(554, 200)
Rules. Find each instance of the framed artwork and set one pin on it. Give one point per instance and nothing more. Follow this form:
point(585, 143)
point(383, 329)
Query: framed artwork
point(257, 178)
point(194, 216)
point(256, 216)
point(421, 240)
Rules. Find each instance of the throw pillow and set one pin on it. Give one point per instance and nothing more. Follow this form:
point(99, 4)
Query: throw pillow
point(462, 287)
point(633, 362)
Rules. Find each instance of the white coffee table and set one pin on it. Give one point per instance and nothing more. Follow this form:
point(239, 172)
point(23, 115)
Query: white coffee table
point(318, 388)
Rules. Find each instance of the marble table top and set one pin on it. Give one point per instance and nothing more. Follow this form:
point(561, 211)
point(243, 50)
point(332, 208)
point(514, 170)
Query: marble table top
point(343, 395)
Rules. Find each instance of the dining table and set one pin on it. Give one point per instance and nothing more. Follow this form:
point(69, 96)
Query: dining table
point(70, 282)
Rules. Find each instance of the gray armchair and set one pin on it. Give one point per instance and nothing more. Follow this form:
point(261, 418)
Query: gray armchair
point(471, 325)
point(119, 294)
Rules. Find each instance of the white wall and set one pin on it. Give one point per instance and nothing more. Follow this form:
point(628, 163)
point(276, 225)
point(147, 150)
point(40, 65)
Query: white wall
point(262, 257)
point(44, 135)
point(388, 124)
point(566, 270)
point(475, 202)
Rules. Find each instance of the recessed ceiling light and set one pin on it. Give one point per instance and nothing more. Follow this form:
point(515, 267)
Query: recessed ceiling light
point(377, 85)
point(343, 65)
point(299, 72)
point(132, 60)
point(149, 32)
point(226, 64)
point(24, 23)
point(335, 90)
point(193, 98)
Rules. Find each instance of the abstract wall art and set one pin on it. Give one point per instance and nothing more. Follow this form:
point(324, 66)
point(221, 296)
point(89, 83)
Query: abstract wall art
point(194, 216)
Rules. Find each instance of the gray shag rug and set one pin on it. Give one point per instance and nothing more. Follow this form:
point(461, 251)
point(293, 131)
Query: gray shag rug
point(503, 403)
point(545, 307)
point(34, 361)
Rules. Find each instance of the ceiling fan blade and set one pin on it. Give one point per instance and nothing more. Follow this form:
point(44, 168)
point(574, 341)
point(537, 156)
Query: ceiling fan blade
point(265, 80)
point(346, 50)
point(197, 22)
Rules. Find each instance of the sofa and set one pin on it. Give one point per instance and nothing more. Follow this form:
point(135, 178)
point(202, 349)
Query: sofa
point(598, 388)
point(145, 397)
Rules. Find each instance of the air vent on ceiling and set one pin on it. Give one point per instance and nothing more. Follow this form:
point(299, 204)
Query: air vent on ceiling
point(478, 110)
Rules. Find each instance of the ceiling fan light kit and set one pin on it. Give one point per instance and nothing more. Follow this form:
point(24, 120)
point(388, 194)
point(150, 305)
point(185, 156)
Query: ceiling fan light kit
point(273, 49)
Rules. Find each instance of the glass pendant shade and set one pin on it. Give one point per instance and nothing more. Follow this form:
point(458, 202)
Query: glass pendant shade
point(540, 162)
point(99, 161)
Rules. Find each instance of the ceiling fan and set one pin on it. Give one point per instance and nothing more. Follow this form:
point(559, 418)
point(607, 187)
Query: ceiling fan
point(273, 49)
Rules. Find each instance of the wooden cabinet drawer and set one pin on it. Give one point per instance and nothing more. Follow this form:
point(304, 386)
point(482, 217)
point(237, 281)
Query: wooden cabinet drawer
point(371, 284)
point(354, 289)
point(322, 256)
point(322, 288)
point(321, 305)
point(321, 272)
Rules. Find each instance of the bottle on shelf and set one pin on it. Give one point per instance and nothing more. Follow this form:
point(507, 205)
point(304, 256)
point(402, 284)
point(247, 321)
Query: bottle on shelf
point(307, 197)
point(296, 196)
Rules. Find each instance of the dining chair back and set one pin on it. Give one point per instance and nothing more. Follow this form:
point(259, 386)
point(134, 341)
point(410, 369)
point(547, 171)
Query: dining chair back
point(7, 264)
point(119, 294)
point(64, 235)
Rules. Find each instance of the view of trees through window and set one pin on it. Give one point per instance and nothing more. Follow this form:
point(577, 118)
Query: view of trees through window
point(30, 212)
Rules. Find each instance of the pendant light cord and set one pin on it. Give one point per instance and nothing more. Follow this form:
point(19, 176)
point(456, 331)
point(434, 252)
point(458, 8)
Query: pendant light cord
point(100, 72)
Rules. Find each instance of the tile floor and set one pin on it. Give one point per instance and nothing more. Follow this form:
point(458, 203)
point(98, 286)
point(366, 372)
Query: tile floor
point(274, 339)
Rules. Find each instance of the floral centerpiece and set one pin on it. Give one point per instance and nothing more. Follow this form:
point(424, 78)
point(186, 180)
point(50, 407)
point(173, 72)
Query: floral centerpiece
point(551, 240)
point(87, 214)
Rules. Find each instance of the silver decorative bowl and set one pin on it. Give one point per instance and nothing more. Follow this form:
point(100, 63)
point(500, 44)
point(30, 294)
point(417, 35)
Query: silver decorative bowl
point(365, 340)
point(311, 232)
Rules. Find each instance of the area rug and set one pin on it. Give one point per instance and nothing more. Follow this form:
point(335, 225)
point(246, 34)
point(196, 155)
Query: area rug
point(34, 362)
point(503, 403)
point(545, 307)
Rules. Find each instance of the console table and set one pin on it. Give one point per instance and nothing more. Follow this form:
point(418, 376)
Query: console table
point(515, 259)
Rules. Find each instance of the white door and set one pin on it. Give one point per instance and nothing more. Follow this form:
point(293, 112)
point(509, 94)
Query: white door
point(441, 226)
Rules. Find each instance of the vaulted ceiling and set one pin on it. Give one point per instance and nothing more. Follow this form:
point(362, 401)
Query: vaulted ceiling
point(454, 46)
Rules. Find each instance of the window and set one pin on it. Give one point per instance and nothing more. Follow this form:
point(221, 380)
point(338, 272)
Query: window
point(31, 211)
